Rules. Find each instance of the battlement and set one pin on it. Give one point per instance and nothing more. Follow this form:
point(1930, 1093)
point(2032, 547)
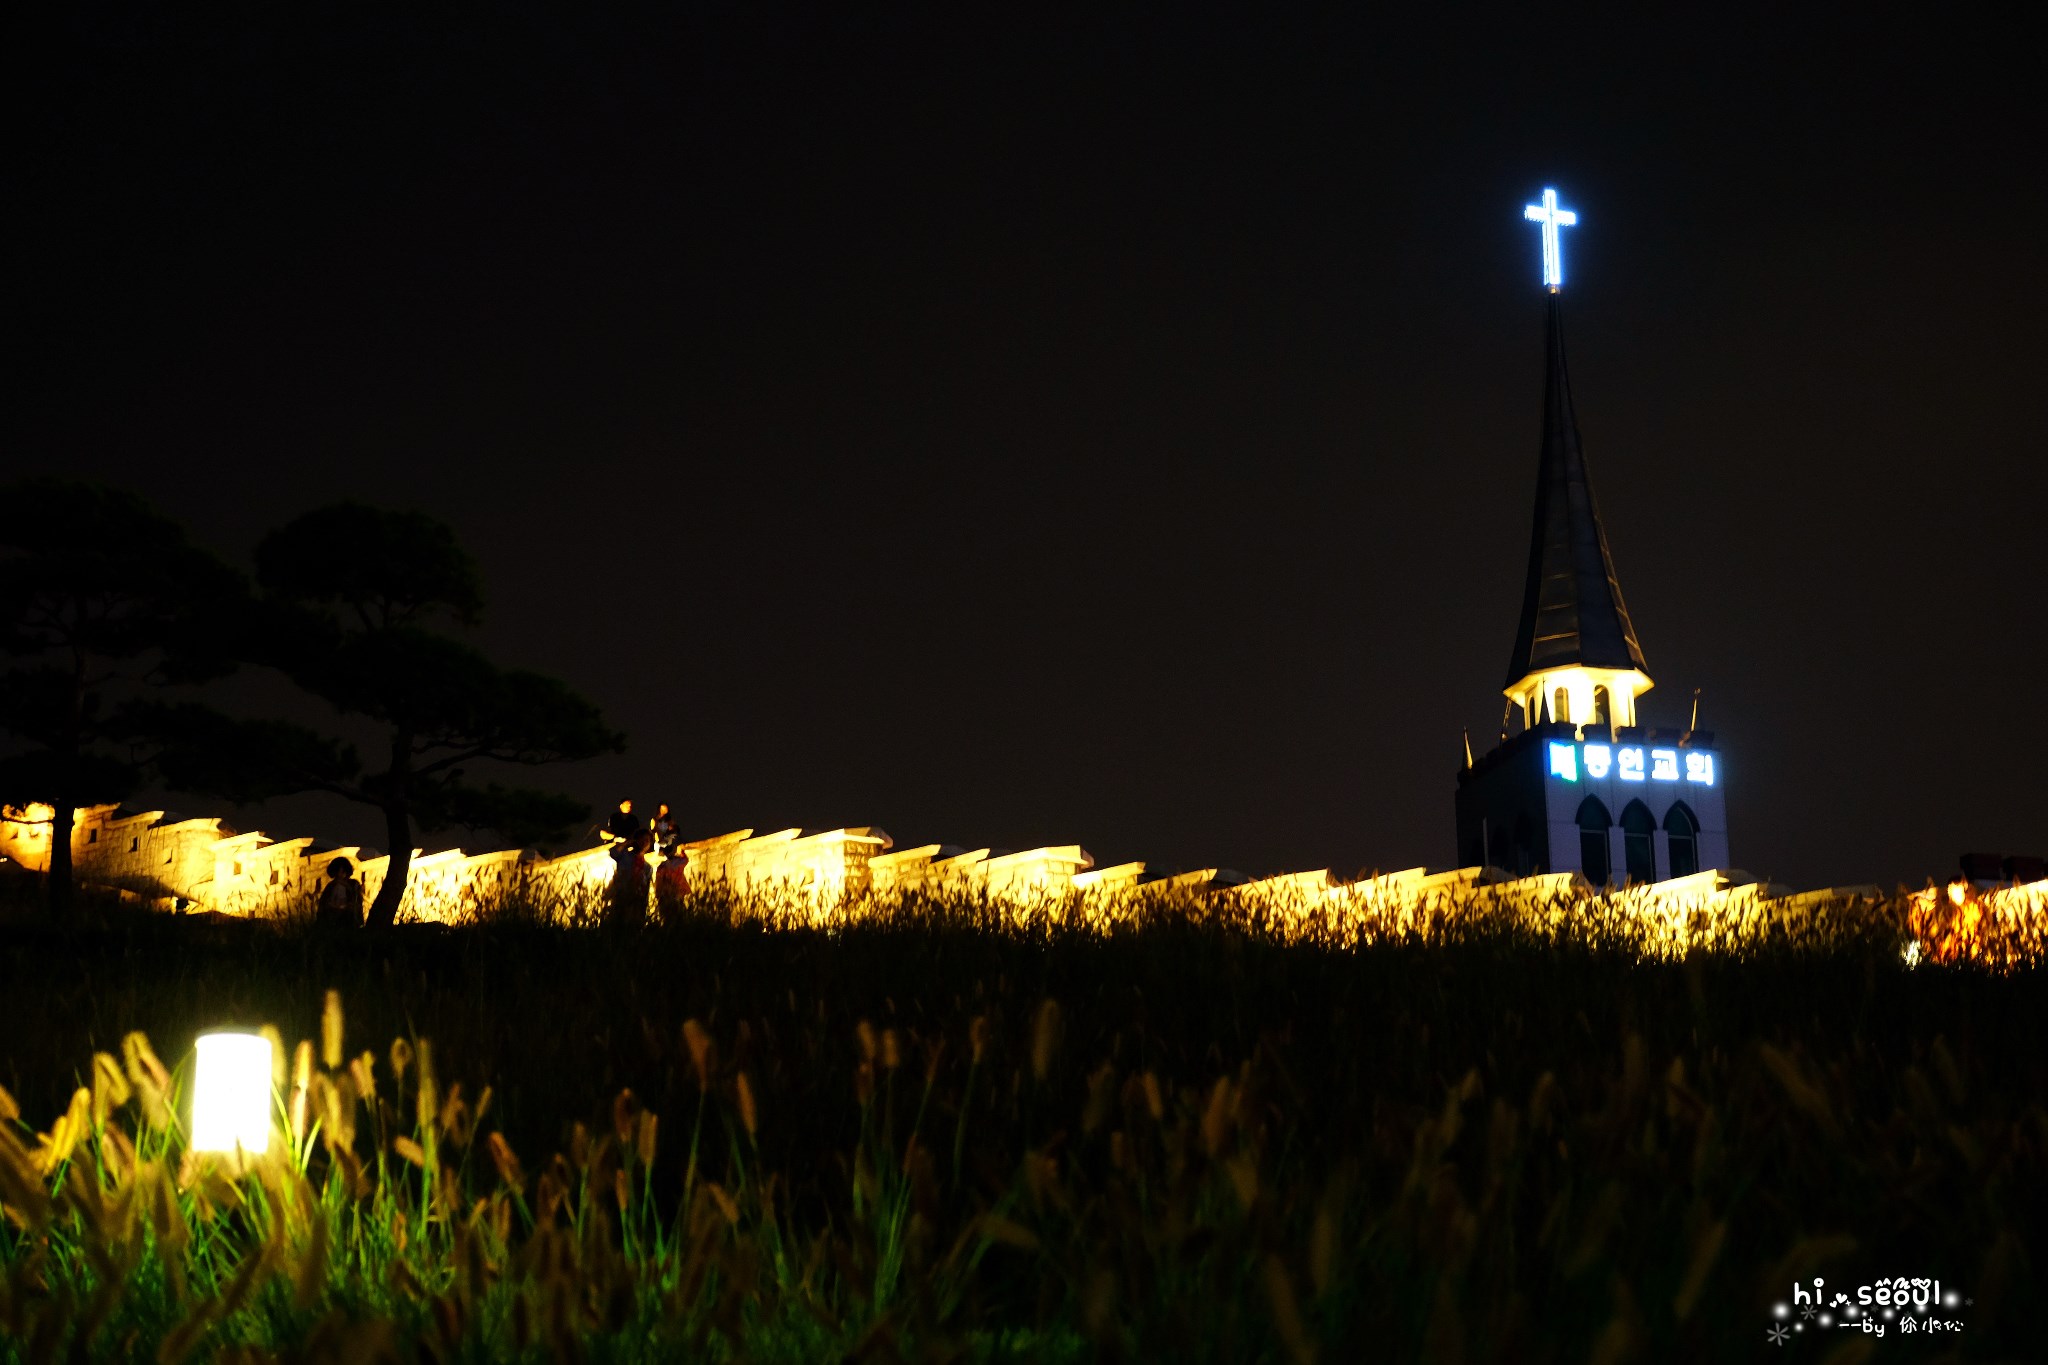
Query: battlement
point(203, 865)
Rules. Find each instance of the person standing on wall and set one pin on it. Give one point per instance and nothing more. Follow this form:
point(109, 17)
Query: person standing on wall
point(341, 900)
point(630, 837)
point(622, 828)
point(671, 877)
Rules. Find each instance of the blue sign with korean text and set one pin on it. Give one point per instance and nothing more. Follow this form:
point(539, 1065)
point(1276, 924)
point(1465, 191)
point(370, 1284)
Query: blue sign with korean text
point(1631, 763)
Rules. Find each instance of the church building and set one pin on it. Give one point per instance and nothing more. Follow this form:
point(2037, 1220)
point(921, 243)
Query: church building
point(1583, 786)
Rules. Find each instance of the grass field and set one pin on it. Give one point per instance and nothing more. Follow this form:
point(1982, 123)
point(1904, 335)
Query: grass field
point(931, 1138)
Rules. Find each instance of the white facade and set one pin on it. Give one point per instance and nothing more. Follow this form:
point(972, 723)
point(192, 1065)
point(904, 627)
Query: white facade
point(1676, 785)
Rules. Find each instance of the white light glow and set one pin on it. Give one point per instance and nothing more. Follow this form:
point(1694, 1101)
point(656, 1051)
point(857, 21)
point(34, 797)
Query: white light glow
point(1699, 768)
point(1564, 762)
point(1664, 764)
point(1536, 694)
point(1630, 762)
point(231, 1094)
point(1599, 761)
point(1552, 217)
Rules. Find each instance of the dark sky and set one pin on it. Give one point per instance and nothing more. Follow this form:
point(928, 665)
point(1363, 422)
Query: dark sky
point(1008, 428)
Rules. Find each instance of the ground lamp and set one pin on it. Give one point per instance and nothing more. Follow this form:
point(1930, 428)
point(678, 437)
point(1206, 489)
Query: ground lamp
point(231, 1094)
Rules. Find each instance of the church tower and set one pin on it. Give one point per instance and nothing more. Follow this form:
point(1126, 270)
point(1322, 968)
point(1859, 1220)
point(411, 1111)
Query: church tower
point(1583, 786)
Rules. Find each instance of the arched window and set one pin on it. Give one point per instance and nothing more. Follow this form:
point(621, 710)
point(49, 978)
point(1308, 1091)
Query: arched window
point(1595, 861)
point(1682, 838)
point(1561, 704)
point(1600, 716)
point(1639, 841)
point(1528, 857)
point(1502, 852)
point(1471, 849)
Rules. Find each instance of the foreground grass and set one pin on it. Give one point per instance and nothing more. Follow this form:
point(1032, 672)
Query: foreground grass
point(932, 1139)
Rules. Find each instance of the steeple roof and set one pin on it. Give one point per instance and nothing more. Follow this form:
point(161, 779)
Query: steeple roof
point(1572, 612)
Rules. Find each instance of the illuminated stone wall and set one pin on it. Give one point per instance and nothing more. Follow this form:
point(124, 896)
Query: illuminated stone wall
point(199, 865)
point(138, 851)
point(196, 864)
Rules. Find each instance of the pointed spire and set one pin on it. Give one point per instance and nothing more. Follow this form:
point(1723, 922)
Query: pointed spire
point(1572, 612)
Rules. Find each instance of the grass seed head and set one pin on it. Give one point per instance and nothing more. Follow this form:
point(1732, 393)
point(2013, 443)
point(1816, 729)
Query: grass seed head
point(1287, 1319)
point(1101, 1096)
point(703, 1053)
point(302, 1083)
point(337, 1110)
point(1216, 1118)
point(21, 1184)
point(74, 1123)
point(863, 1082)
point(109, 1086)
point(643, 1138)
point(279, 1056)
point(725, 1202)
point(455, 1118)
point(625, 1117)
point(1322, 1247)
point(330, 1030)
point(748, 1117)
point(429, 1100)
point(363, 1071)
point(1045, 1039)
point(509, 1170)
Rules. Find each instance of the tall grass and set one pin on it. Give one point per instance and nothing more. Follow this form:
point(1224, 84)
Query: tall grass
point(949, 1134)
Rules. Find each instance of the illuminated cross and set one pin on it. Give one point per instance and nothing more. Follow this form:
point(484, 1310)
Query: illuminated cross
point(1552, 217)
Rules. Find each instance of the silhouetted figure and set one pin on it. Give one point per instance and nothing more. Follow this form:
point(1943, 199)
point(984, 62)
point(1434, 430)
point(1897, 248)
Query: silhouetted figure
point(622, 827)
point(341, 900)
point(664, 830)
point(630, 837)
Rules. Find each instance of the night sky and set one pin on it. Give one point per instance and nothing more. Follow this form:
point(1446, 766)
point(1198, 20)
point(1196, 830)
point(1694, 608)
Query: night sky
point(1121, 429)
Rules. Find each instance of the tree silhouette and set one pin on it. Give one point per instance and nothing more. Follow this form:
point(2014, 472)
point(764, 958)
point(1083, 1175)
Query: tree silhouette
point(101, 599)
point(350, 598)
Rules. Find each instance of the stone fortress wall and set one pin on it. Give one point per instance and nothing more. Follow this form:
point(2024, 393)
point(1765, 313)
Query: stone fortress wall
point(200, 865)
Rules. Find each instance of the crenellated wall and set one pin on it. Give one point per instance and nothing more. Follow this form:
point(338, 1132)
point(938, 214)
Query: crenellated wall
point(198, 864)
point(188, 864)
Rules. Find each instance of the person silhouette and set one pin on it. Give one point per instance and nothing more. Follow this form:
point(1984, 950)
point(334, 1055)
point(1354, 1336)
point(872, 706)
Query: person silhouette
point(341, 900)
point(630, 837)
point(623, 827)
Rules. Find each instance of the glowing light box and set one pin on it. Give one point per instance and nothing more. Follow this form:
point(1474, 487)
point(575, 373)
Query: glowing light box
point(231, 1094)
point(1631, 763)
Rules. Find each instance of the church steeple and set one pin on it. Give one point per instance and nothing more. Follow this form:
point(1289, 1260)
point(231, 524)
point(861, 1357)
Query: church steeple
point(1585, 788)
point(1576, 655)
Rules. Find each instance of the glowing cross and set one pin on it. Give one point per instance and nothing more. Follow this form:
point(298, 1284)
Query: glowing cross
point(1552, 217)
